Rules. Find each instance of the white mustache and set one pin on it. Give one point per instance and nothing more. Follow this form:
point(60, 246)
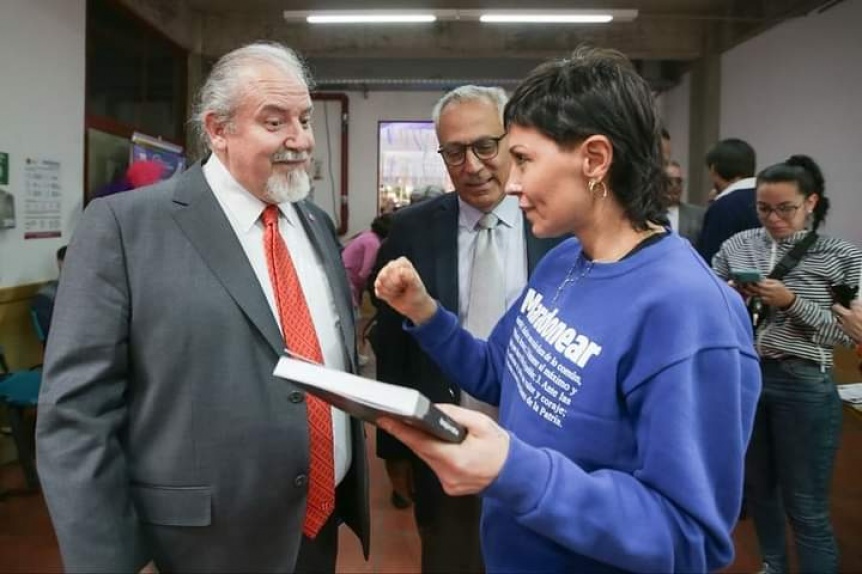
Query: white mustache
point(289, 155)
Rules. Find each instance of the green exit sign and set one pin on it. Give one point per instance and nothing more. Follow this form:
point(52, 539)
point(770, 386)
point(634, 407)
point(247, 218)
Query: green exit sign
point(4, 168)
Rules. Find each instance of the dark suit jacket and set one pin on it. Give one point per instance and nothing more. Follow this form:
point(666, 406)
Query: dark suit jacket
point(427, 234)
point(690, 221)
point(162, 433)
point(724, 218)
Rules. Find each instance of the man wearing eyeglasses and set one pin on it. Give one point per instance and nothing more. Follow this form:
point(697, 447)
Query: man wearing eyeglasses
point(685, 218)
point(474, 251)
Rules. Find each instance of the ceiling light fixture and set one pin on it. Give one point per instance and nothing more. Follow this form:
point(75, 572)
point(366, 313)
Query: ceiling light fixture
point(365, 17)
point(558, 17)
point(546, 18)
point(429, 16)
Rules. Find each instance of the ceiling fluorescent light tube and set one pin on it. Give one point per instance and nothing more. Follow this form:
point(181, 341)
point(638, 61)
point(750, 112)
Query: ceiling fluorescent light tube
point(546, 18)
point(370, 18)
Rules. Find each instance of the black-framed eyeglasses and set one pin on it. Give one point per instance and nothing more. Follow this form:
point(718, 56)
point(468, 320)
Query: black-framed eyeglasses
point(784, 211)
point(455, 154)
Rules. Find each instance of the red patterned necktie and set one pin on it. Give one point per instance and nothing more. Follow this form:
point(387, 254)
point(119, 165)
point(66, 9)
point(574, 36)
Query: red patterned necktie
point(301, 338)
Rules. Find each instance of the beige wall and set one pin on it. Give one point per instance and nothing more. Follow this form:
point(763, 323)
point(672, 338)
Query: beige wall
point(795, 89)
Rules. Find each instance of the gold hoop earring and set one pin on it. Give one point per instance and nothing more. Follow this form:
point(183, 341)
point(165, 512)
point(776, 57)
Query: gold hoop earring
point(595, 183)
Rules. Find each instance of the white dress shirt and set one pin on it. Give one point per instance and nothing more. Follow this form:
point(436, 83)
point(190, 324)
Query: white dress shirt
point(673, 216)
point(243, 211)
point(745, 183)
point(509, 235)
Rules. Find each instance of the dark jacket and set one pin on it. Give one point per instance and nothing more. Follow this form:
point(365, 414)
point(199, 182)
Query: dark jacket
point(724, 218)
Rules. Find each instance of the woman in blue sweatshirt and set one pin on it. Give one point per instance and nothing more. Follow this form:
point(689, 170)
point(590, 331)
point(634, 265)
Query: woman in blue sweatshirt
point(625, 375)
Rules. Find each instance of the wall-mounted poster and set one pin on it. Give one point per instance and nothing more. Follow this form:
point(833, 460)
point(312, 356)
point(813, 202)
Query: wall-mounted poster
point(43, 198)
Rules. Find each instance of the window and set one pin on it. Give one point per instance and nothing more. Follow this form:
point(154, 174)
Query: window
point(408, 161)
point(136, 77)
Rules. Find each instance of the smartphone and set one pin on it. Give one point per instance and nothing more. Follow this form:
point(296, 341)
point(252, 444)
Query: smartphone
point(743, 276)
point(843, 294)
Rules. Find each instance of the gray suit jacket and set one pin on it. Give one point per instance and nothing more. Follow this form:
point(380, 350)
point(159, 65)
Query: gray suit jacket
point(690, 221)
point(162, 433)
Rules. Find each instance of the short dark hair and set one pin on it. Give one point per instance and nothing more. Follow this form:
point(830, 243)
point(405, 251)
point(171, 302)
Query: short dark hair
point(598, 91)
point(61, 253)
point(806, 174)
point(732, 158)
point(381, 224)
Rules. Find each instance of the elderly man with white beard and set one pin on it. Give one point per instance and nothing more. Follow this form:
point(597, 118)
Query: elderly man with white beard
point(164, 441)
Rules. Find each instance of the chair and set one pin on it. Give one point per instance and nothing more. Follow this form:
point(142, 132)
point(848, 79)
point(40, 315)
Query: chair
point(37, 327)
point(19, 392)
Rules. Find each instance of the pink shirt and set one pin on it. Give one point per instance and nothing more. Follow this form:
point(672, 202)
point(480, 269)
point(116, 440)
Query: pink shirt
point(358, 258)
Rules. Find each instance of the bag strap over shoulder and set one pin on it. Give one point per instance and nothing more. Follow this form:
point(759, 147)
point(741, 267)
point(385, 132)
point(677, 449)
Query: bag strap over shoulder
point(792, 258)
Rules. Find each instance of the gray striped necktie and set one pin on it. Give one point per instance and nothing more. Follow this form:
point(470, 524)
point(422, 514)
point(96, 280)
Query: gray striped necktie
point(487, 283)
point(487, 294)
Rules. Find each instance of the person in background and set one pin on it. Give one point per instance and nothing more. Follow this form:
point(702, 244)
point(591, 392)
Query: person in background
point(359, 257)
point(360, 254)
point(731, 163)
point(685, 218)
point(140, 173)
point(7, 209)
point(850, 320)
point(42, 304)
point(144, 172)
point(425, 193)
point(389, 205)
point(624, 352)
point(796, 432)
point(474, 251)
point(666, 151)
point(164, 441)
point(710, 196)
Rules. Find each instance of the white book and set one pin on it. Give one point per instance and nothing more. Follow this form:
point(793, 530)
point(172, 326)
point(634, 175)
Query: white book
point(368, 399)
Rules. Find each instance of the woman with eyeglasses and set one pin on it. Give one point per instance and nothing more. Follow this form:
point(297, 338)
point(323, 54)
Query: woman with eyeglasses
point(625, 373)
point(792, 451)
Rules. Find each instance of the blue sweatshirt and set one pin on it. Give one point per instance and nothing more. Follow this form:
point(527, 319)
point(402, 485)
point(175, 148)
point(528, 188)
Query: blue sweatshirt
point(629, 391)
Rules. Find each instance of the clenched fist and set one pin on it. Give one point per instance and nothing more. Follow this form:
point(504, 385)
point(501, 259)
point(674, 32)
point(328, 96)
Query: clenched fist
point(399, 285)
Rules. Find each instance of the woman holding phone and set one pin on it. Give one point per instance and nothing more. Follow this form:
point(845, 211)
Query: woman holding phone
point(790, 459)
